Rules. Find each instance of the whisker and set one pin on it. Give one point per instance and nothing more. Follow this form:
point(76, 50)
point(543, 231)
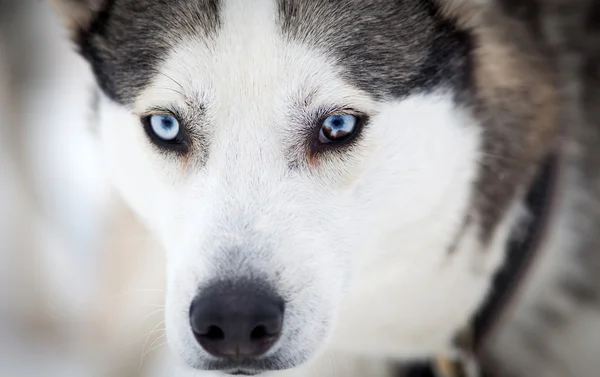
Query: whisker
point(161, 310)
point(135, 291)
point(150, 349)
point(154, 330)
point(173, 80)
point(332, 364)
point(172, 89)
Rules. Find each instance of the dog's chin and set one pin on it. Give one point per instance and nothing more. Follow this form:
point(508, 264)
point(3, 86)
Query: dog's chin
point(264, 366)
point(241, 372)
point(244, 371)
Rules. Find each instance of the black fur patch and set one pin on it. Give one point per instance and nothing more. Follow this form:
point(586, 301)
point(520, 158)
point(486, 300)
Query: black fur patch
point(388, 48)
point(128, 39)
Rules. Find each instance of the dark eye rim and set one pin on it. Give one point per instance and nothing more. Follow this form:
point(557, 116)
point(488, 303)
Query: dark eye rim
point(318, 147)
point(180, 144)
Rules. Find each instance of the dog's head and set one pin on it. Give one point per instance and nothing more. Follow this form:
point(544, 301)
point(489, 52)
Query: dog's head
point(284, 151)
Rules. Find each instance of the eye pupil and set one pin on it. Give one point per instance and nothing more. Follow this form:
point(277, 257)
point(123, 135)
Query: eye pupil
point(167, 123)
point(337, 122)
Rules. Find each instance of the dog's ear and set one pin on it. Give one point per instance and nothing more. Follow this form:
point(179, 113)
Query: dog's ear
point(78, 14)
point(465, 12)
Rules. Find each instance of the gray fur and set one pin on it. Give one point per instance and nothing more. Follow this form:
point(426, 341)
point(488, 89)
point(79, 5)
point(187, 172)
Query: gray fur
point(128, 39)
point(389, 48)
point(554, 328)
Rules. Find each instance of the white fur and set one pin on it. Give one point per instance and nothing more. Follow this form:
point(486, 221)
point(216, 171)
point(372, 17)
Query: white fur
point(358, 245)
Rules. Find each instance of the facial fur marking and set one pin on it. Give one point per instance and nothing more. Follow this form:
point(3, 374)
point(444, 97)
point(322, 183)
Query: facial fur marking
point(127, 40)
point(398, 61)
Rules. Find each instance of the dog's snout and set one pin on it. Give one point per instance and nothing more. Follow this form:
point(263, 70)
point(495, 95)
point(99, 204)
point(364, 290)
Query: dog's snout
point(236, 321)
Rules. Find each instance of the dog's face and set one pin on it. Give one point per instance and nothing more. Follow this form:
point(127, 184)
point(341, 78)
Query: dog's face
point(284, 150)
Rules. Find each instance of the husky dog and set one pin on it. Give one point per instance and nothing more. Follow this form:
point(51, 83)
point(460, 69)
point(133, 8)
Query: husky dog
point(364, 178)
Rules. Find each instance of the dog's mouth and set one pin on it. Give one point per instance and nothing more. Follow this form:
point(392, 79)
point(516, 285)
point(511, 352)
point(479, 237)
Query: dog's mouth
point(242, 372)
point(244, 367)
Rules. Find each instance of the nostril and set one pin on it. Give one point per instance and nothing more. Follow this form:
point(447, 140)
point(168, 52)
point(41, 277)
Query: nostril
point(259, 333)
point(267, 330)
point(213, 333)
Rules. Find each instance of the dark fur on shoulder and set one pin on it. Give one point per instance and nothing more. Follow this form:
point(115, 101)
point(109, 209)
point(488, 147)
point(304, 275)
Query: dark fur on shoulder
point(555, 325)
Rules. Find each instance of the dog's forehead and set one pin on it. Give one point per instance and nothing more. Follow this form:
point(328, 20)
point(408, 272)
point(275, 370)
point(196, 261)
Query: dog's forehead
point(386, 48)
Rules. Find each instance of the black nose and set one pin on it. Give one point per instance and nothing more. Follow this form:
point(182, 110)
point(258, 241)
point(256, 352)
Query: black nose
point(236, 320)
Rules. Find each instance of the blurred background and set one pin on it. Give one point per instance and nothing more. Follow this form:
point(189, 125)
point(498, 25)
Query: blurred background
point(61, 227)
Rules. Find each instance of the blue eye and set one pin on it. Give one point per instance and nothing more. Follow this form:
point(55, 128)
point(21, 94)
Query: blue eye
point(337, 128)
point(165, 127)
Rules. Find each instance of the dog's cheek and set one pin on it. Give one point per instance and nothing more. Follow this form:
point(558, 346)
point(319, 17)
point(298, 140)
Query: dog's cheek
point(141, 176)
point(421, 175)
